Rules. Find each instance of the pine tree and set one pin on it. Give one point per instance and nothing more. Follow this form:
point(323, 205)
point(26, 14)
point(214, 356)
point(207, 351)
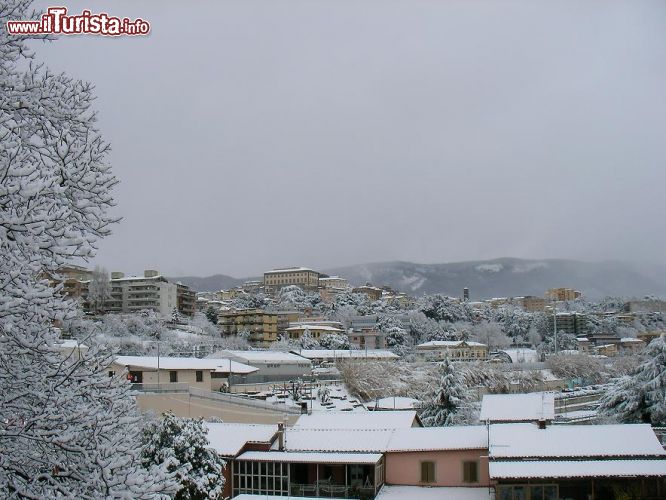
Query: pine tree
point(211, 315)
point(641, 395)
point(182, 446)
point(451, 402)
point(67, 429)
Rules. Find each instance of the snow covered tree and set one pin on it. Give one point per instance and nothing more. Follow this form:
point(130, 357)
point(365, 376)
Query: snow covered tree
point(441, 308)
point(334, 341)
point(640, 396)
point(491, 334)
point(307, 341)
point(211, 315)
point(68, 429)
point(99, 290)
point(284, 344)
point(450, 402)
point(181, 445)
point(294, 297)
point(397, 340)
point(201, 323)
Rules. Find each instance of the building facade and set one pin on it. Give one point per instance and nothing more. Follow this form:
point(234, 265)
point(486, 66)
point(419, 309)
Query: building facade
point(562, 294)
point(303, 277)
point(152, 291)
point(455, 350)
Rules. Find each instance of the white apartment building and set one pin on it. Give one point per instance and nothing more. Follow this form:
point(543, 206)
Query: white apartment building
point(135, 293)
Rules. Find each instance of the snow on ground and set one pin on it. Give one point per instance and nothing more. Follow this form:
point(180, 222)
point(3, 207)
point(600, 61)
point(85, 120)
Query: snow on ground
point(394, 403)
point(433, 493)
point(337, 398)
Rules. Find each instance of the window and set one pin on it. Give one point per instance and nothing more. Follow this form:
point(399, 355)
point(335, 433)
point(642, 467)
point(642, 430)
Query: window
point(173, 376)
point(427, 472)
point(199, 375)
point(470, 472)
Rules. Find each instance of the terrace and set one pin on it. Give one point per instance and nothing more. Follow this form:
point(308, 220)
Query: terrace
point(309, 474)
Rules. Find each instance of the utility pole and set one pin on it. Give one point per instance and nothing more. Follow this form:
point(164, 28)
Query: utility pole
point(555, 323)
point(158, 365)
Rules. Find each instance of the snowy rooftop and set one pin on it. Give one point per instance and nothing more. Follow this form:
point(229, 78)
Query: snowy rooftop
point(229, 439)
point(358, 420)
point(311, 457)
point(433, 493)
point(565, 441)
point(337, 440)
point(69, 344)
point(517, 407)
point(168, 363)
point(471, 437)
point(450, 343)
point(261, 356)
point(314, 327)
point(289, 269)
point(157, 277)
point(586, 468)
point(344, 353)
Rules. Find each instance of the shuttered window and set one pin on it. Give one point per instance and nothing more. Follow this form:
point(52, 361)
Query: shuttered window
point(470, 472)
point(427, 472)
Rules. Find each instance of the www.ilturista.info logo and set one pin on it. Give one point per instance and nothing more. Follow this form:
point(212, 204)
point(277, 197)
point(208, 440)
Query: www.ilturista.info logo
point(56, 21)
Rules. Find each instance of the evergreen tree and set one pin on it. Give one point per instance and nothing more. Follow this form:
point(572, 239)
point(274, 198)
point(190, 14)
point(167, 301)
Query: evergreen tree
point(641, 395)
point(211, 314)
point(450, 402)
point(182, 446)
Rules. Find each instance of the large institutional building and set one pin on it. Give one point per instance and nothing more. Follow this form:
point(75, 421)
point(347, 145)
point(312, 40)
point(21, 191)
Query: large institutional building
point(303, 277)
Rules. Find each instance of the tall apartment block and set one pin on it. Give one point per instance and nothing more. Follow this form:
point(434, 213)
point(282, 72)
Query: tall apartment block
point(151, 291)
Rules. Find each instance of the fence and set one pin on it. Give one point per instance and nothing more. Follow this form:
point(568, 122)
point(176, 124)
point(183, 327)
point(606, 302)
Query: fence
point(161, 388)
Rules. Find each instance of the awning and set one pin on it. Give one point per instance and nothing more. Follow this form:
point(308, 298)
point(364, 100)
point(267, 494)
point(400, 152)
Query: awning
point(547, 469)
point(310, 458)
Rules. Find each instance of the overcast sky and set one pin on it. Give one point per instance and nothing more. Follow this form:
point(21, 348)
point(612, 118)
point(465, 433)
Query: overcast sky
point(249, 135)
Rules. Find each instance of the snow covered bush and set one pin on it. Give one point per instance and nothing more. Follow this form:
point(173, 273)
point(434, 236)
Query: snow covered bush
point(641, 395)
point(181, 445)
point(68, 429)
point(582, 366)
point(334, 341)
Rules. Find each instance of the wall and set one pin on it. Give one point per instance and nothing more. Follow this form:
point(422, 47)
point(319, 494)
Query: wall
point(404, 468)
point(184, 376)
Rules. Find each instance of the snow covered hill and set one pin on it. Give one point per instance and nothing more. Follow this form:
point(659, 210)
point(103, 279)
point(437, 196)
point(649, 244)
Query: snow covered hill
point(491, 278)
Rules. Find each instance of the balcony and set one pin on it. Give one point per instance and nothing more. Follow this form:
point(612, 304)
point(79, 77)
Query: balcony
point(309, 474)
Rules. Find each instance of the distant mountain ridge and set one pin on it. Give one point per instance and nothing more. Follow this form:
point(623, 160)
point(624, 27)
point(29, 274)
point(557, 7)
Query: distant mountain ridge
point(504, 277)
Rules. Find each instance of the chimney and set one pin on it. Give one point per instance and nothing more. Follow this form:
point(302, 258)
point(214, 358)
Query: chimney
point(465, 294)
point(280, 436)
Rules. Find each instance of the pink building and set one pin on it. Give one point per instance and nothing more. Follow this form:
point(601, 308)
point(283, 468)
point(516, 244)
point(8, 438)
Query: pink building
point(438, 456)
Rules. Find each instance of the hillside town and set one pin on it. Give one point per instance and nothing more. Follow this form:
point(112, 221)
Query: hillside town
point(332, 389)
